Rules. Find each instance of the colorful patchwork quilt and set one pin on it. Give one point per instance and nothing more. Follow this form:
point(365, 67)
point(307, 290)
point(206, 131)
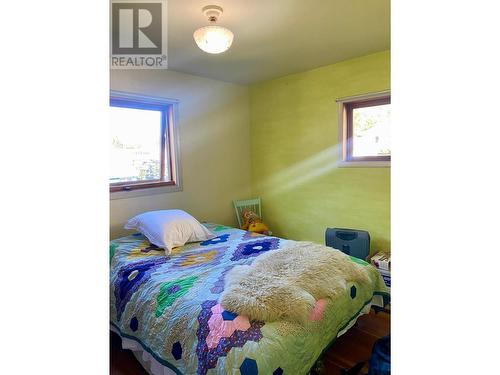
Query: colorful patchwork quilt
point(170, 306)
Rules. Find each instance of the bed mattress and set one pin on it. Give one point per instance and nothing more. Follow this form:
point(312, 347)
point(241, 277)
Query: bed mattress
point(167, 310)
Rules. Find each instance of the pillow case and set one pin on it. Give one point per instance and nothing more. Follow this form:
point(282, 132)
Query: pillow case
point(169, 228)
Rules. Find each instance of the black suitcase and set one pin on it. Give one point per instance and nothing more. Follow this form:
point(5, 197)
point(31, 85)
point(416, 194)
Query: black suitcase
point(350, 241)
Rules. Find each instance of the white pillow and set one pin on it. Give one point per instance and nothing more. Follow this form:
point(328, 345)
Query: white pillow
point(169, 228)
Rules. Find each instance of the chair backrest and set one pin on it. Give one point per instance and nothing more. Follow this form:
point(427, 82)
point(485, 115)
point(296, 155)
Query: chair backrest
point(248, 204)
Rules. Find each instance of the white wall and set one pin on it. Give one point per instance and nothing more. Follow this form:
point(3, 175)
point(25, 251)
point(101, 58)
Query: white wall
point(215, 155)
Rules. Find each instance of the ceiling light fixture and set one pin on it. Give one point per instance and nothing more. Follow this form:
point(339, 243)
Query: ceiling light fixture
point(213, 38)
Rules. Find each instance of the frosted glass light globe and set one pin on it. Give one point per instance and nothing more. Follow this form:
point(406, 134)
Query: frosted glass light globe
point(213, 39)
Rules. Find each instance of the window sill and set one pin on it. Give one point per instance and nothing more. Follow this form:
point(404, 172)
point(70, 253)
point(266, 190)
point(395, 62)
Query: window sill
point(364, 164)
point(125, 194)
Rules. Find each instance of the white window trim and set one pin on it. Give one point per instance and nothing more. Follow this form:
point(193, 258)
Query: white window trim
point(342, 125)
point(177, 154)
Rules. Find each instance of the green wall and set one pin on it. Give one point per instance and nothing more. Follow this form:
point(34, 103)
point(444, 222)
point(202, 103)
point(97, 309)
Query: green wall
point(294, 150)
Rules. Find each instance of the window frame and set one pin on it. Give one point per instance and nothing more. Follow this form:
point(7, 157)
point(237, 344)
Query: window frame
point(169, 154)
point(345, 108)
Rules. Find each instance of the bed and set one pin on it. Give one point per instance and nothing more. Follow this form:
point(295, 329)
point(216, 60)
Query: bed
point(166, 309)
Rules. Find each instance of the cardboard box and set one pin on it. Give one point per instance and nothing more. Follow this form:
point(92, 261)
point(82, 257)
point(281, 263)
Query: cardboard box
point(382, 261)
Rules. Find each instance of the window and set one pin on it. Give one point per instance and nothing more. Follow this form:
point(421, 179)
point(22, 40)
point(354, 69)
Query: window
point(365, 130)
point(143, 151)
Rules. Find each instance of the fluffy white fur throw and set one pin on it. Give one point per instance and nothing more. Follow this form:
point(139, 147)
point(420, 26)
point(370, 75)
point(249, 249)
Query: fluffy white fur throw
point(285, 284)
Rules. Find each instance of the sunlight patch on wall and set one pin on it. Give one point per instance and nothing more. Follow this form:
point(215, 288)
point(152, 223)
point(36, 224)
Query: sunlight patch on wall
point(301, 173)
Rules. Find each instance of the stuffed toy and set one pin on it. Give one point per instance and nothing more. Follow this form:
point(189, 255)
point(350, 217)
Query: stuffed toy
point(253, 223)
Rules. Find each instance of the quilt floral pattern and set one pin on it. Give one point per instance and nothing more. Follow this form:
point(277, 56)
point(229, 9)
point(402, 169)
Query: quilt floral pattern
point(170, 305)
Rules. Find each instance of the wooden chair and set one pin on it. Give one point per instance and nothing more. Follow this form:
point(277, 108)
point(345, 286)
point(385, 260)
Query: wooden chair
point(248, 204)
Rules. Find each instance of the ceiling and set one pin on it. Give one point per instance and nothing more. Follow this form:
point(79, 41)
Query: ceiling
point(273, 38)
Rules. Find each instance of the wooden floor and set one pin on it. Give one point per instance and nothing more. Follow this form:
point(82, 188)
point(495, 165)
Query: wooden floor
point(122, 362)
point(352, 347)
point(356, 344)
